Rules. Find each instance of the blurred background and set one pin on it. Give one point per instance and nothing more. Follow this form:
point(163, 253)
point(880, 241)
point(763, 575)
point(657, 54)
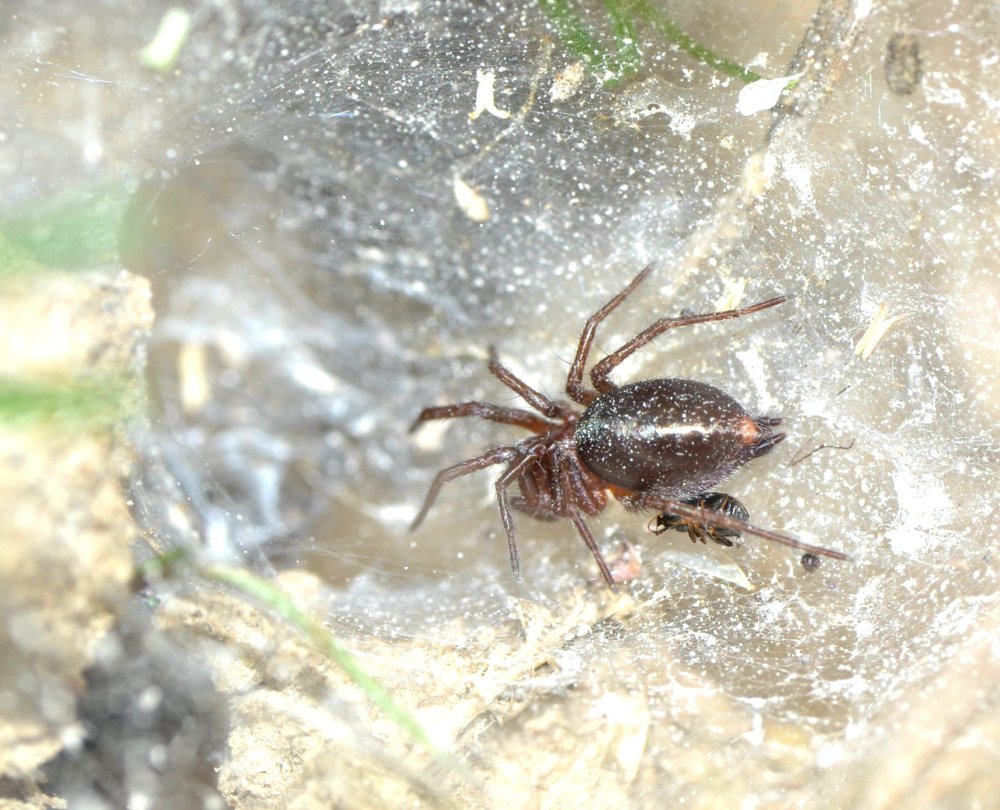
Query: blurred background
point(338, 207)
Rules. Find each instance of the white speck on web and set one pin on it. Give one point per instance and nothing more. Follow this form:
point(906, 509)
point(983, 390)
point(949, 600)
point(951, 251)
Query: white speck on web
point(484, 96)
point(763, 94)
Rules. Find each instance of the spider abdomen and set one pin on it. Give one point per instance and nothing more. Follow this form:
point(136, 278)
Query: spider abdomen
point(672, 437)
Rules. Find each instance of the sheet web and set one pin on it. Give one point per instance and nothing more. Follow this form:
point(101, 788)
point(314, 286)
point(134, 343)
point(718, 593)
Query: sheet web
point(430, 235)
point(351, 203)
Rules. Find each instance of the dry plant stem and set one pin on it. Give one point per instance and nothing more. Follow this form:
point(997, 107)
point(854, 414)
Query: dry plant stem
point(821, 57)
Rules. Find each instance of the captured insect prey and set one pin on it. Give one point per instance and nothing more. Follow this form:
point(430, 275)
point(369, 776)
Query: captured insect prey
point(655, 445)
point(717, 502)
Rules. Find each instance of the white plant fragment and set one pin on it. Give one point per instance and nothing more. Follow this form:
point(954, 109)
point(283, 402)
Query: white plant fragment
point(763, 94)
point(877, 330)
point(163, 50)
point(484, 97)
point(472, 203)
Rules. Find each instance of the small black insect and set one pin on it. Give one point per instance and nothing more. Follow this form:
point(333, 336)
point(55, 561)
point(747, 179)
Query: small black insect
point(655, 444)
point(717, 502)
point(810, 562)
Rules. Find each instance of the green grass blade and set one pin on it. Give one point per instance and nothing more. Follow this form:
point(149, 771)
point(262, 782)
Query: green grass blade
point(627, 60)
point(73, 404)
point(675, 36)
point(283, 605)
point(574, 34)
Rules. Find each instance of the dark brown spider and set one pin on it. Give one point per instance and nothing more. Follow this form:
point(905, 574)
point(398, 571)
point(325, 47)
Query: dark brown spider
point(655, 444)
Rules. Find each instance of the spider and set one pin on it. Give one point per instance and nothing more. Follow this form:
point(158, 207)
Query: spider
point(654, 445)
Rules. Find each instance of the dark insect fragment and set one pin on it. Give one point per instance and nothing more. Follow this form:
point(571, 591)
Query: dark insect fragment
point(903, 63)
point(718, 502)
point(810, 562)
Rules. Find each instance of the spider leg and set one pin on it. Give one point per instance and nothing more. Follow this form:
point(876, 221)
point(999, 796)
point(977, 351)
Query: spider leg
point(536, 511)
point(494, 456)
point(590, 499)
point(573, 491)
point(503, 483)
point(534, 499)
point(574, 382)
point(706, 517)
point(588, 539)
point(535, 399)
point(573, 488)
point(599, 373)
point(484, 410)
